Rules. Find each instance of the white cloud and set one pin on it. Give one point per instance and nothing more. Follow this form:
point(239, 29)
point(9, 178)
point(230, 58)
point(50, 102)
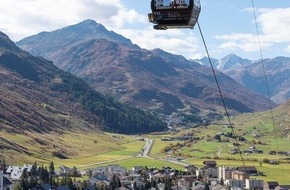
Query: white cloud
point(275, 24)
point(181, 42)
point(274, 27)
point(21, 18)
point(245, 42)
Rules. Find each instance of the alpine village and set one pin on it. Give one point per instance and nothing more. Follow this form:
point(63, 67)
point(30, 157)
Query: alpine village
point(84, 108)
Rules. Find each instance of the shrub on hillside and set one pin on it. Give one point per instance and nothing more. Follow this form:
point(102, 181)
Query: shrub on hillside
point(266, 160)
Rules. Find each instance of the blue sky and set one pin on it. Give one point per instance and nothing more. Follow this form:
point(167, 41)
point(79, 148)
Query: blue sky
point(228, 25)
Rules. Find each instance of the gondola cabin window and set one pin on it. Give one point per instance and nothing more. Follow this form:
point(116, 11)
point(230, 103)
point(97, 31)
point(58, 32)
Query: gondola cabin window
point(163, 4)
point(168, 14)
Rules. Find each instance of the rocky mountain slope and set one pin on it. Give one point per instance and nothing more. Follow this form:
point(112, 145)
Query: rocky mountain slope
point(152, 80)
point(251, 74)
point(62, 39)
point(37, 96)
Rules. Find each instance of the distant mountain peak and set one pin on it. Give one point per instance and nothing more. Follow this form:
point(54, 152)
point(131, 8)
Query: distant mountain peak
point(6, 42)
point(205, 61)
point(47, 42)
point(162, 52)
point(231, 61)
point(89, 24)
point(230, 57)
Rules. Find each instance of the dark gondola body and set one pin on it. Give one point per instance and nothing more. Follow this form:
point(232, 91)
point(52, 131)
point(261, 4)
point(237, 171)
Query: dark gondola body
point(174, 13)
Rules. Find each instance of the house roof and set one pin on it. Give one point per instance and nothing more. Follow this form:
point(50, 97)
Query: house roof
point(100, 176)
point(137, 168)
point(123, 188)
point(45, 186)
point(247, 168)
point(198, 187)
point(189, 166)
point(179, 187)
point(239, 172)
point(63, 188)
point(6, 181)
point(9, 169)
point(158, 175)
point(284, 187)
point(272, 184)
point(64, 169)
point(217, 187)
point(16, 173)
point(28, 167)
point(209, 162)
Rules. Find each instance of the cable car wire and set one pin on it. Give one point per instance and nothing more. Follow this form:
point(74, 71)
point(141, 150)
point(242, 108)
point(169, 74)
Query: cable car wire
point(266, 82)
point(221, 94)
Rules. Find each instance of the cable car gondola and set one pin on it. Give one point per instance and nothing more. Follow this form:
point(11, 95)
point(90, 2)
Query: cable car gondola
point(168, 14)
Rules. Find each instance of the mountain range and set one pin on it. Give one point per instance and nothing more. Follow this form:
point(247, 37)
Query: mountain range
point(152, 80)
point(37, 96)
point(250, 73)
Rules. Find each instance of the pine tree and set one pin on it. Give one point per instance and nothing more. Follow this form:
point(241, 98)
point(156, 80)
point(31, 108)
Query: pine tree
point(3, 165)
point(206, 186)
point(23, 184)
point(153, 183)
point(42, 173)
point(52, 181)
point(134, 185)
point(33, 171)
point(118, 182)
point(147, 185)
point(222, 181)
point(51, 168)
point(70, 183)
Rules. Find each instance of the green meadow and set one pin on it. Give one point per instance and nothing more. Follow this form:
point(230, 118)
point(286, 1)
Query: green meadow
point(90, 149)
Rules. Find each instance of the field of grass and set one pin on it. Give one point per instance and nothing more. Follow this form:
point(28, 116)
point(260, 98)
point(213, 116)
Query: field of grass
point(139, 161)
point(81, 149)
point(88, 150)
point(156, 151)
point(94, 148)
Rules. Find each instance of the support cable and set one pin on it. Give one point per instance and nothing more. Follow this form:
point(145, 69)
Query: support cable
point(266, 82)
point(221, 95)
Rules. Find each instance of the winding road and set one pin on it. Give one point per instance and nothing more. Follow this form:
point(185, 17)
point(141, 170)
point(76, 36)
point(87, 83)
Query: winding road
point(146, 148)
point(146, 151)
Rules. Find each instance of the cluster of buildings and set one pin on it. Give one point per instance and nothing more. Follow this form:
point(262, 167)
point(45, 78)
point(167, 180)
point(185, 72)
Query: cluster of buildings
point(208, 177)
point(116, 177)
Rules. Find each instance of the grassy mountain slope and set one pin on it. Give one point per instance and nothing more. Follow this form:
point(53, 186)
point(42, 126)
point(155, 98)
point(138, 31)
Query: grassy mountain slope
point(257, 130)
